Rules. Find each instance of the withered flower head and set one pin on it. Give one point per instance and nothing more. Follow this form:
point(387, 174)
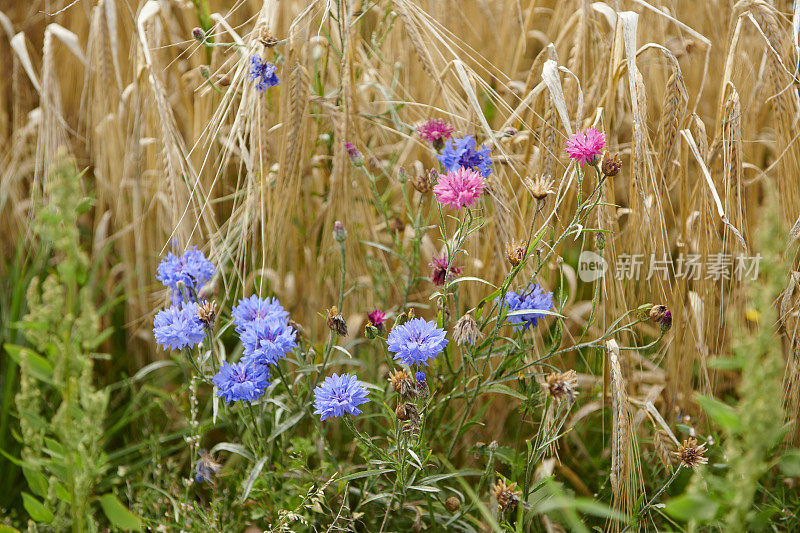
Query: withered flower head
point(403, 384)
point(466, 330)
point(301, 332)
point(422, 183)
point(336, 322)
point(266, 38)
point(206, 468)
point(661, 315)
point(541, 187)
point(690, 454)
point(396, 225)
point(563, 386)
point(207, 313)
point(407, 411)
point(506, 495)
point(515, 252)
point(611, 164)
point(452, 504)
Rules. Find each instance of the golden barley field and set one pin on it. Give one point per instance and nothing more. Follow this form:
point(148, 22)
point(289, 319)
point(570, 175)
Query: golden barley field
point(290, 143)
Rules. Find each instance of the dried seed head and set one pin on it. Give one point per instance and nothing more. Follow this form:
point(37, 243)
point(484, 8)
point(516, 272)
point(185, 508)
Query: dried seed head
point(690, 454)
point(540, 187)
point(336, 322)
point(301, 332)
point(563, 386)
point(506, 495)
point(206, 467)
point(611, 164)
point(207, 313)
point(452, 504)
point(661, 315)
point(403, 384)
point(466, 330)
point(515, 252)
point(266, 38)
point(422, 183)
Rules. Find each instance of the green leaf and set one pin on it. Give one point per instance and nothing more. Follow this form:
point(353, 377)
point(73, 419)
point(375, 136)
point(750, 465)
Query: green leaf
point(7, 529)
point(719, 412)
point(36, 481)
point(790, 463)
point(36, 509)
point(366, 473)
point(726, 363)
point(688, 507)
point(118, 514)
point(251, 478)
point(40, 367)
point(508, 391)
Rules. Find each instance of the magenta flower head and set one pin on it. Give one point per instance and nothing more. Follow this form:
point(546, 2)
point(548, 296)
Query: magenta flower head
point(377, 318)
point(586, 147)
point(439, 269)
point(460, 188)
point(435, 131)
point(352, 152)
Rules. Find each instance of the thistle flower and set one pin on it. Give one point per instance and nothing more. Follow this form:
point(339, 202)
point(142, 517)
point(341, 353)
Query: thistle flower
point(690, 454)
point(338, 395)
point(541, 187)
point(267, 340)
point(336, 322)
point(378, 319)
point(562, 386)
point(506, 495)
point(435, 131)
point(403, 384)
point(207, 313)
point(206, 468)
point(339, 233)
point(263, 73)
point(199, 35)
point(416, 341)
point(177, 328)
point(586, 147)
point(439, 273)
point(355, 156)
point(515, 252)
point(462, 153)
point(466, 330)
point(185, 274)
point(531, 300)
point(611, 165)
point(243, 381)
point(254, 308)
point(662, 316)
point(459, 188)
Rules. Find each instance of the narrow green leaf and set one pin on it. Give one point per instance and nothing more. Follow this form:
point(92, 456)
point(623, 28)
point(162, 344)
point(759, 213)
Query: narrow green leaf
point(118, 514)
point(719, 412)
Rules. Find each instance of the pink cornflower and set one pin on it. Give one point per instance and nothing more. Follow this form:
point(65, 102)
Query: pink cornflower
point(439, 274)
point(586, 147)
point(377, 317)
point(460, 188)
point(435, 131)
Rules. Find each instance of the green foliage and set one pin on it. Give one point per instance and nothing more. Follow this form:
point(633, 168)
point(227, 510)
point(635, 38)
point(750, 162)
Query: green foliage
point(60, 410)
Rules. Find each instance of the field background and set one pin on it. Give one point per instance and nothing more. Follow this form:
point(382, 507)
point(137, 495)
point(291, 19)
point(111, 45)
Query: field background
point(177, 147)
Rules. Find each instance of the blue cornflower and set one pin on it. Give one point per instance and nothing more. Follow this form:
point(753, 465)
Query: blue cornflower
point(338, 395)
point(252, 308)
point(529, 300)
point(178, 327)
point(459, 153)
point(191, 269)
point(267, 340)
point(241, 381)
point(416, 341)
point(263, 73)
point(420, 377)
